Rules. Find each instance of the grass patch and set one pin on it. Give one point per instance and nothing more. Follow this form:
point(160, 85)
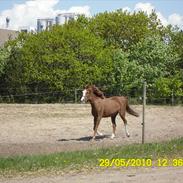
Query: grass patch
point(89, 159)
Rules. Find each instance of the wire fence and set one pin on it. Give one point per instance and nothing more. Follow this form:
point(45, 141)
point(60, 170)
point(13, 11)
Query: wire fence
point(39, 97)
point(73, 96)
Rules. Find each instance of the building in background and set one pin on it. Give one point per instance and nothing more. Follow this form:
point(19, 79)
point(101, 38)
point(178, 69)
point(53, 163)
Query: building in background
point(42, 24)
point(65, 17)
point(7, 22)
point(46, 23)
point(25, 29)
point(6, 35)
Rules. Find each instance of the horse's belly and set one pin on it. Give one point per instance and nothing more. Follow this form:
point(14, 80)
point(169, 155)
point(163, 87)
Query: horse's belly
point(105, 115)
point(110, 111)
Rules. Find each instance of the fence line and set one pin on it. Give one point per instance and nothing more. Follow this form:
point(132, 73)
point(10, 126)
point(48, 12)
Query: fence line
point(74, 97)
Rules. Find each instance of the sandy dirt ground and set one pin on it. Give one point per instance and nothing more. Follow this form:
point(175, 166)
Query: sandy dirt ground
point(47, 128)
point(129, 175)
point(43, 129)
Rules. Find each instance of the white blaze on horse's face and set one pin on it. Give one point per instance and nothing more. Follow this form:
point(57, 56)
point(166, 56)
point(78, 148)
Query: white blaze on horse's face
point(83, 98)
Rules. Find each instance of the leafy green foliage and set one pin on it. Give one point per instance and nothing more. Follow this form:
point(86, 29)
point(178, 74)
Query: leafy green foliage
point(61, 59)
point(169, 86)
point(126, 74)
point(4, 54)
point(120, 28)
point(115, 50)
point(156, 58)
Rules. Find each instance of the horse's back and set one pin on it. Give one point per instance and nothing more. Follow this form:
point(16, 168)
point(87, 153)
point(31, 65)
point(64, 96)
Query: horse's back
point(113, 105)
point(119, 99)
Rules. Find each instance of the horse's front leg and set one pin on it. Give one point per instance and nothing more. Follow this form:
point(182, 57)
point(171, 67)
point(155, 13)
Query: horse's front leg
point(95, 127)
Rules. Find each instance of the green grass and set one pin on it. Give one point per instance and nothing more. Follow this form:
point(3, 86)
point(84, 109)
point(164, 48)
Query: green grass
point(77, 160)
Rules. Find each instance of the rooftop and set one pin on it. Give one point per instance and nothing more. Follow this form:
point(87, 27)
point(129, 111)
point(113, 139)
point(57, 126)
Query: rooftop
point(6, 35)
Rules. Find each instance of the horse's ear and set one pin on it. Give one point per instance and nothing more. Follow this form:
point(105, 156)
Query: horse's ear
point(87, 86)
point(94, 87)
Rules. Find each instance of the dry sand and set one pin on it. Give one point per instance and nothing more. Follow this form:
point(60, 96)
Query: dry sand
point(47, 128)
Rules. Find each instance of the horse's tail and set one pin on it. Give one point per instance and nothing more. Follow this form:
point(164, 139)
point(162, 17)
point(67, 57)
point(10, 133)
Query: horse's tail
point(131, 111)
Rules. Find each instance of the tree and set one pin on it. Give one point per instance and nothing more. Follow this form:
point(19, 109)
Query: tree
point(4, 54)
point(127, 78)
point(167, 87)
point(122, 29)
point(176, 41)
point(62, 59)
point(115, 50)
point(158, 60)
point(12, 77)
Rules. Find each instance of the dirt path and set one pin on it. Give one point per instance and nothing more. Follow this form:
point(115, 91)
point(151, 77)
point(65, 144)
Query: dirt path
point(150, 175)
point(47, 128)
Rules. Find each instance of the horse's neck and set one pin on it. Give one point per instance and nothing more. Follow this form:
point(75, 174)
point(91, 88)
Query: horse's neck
point(93, 99)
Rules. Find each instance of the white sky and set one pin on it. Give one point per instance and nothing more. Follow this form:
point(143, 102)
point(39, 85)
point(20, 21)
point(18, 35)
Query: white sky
point(26, 14)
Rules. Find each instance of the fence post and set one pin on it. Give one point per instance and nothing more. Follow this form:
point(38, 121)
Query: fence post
point(75, 95)
point(172, 98)
point(12, 99)
point(143, 112)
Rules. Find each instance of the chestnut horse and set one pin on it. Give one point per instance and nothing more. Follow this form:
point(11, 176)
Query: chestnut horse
point(106, 107)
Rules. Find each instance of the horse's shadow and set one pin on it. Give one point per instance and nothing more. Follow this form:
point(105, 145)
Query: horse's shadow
point(85, 139)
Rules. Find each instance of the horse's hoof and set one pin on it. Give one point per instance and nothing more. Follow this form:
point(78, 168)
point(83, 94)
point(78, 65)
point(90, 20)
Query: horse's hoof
point(112, 136)
point(128, 135)
point(100, 134)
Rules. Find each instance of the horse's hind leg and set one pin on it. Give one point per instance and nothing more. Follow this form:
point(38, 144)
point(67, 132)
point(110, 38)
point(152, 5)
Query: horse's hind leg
point(122, 115)
point(113, 119)
point(99, 133)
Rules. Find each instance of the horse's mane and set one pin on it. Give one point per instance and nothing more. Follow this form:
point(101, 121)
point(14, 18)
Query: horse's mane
point(96, 91)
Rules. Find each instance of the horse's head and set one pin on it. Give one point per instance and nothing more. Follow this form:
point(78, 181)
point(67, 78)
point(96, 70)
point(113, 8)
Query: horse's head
point(89, 91)
point(86, 93)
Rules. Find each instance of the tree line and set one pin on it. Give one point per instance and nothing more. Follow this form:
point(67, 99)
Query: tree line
point(114, 50)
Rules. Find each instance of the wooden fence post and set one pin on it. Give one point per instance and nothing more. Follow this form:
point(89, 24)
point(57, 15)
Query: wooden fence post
point(76, 95)
point(172, 99)
point(143, 113)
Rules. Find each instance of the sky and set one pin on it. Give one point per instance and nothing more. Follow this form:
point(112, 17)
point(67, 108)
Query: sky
point(25, 12)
